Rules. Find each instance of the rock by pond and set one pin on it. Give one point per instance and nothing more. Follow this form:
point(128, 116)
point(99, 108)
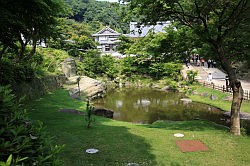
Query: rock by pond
point(90, 87)
point(103, 112)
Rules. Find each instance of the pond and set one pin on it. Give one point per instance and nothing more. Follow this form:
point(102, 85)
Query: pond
point(145, 106)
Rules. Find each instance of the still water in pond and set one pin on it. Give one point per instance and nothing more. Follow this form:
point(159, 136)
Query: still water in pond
point(148, 105)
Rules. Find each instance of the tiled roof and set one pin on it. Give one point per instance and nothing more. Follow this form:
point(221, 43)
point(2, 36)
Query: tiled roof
point(142, 30)
point(106, 31)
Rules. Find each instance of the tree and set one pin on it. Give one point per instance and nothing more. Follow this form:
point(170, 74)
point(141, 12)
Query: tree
point(218, 23)
point(94, 12)
point(75, 38)
point(27, 22)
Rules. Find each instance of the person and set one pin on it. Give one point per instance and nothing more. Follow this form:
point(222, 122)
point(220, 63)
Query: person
point(214, 63)
point(198, 62)
point(202, 62)
point(209, 77)
point(227, 84)
point(186, 62)
point(209, 63)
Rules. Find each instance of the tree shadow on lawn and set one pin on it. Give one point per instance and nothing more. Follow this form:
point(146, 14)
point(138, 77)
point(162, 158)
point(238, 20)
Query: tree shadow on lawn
point(194, 125)
point(116, 145)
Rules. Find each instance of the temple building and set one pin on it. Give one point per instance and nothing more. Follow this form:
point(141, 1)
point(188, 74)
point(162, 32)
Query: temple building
point(107, 39)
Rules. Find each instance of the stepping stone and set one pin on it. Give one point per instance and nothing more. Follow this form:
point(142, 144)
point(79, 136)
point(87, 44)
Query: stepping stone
point(92, 151)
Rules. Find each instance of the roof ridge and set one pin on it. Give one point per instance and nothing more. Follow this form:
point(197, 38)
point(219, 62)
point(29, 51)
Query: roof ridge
point(107, 28)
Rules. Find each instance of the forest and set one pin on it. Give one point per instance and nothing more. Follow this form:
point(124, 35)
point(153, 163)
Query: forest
point(37, 35)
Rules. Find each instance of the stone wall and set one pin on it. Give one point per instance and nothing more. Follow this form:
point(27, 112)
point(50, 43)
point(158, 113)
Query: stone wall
point(38, 86)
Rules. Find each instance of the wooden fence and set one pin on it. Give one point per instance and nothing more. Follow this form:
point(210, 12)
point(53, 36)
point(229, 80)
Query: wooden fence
point(223, 88)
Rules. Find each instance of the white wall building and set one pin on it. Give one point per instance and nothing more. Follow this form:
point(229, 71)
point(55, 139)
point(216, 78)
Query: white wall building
point(107, 39)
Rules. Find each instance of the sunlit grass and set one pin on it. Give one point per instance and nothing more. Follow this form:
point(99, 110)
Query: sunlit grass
point(219, 102)
point(121, 143)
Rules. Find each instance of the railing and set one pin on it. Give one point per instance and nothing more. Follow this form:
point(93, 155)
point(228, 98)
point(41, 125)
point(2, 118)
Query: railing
point(223, 88)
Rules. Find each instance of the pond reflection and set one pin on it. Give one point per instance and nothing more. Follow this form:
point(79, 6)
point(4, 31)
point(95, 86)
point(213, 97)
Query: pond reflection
point(148, 105)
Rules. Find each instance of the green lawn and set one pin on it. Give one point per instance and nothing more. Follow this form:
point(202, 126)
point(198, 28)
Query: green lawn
point(121, 143)
point(219, 102)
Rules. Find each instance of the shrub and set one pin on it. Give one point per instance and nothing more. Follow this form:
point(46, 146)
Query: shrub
point(12, 72)
point(91, 65)
point(191, 76)
point(51, 59)
point(127, 66)
point(109, 66)
point(20, 137)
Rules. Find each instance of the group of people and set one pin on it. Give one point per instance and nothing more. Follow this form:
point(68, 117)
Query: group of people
point(199, 61)
point(211, 63)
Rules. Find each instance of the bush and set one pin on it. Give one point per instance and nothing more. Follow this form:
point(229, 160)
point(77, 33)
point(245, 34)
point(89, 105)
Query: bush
point(20, 137)
point(171, 70)
point(12, 72)
point(127, 66)
point(191, 76)
point(91, 65)
point(109, 66)
point(51, 59)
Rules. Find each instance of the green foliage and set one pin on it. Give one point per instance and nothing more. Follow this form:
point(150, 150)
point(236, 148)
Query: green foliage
point(128, 67)
point(174, 44)
point(109, 66)
point(11, 162)
point(94, 65)
point(191, 74)
point(124, 44)
point(156, 70)
point(91, 65)
point(171, 83)
point(12, 73)
point(20, 26)
point(22, 138)
point(75, 38)
point(171, 70)
point(89, 118)
point(99, 13)
point(51, 59)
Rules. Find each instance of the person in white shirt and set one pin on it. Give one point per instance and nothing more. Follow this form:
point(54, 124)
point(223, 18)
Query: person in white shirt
point(209, 77)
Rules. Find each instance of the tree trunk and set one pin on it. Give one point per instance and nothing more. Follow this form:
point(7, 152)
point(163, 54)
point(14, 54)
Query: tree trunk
point(236, 87)
point(235, 107)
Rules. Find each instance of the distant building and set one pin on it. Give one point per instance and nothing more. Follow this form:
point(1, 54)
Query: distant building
point(107, 39)
point(137, 30)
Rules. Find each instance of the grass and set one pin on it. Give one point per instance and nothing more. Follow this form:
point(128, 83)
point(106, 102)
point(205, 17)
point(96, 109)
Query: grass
point(121, 143)
point(219, 102)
